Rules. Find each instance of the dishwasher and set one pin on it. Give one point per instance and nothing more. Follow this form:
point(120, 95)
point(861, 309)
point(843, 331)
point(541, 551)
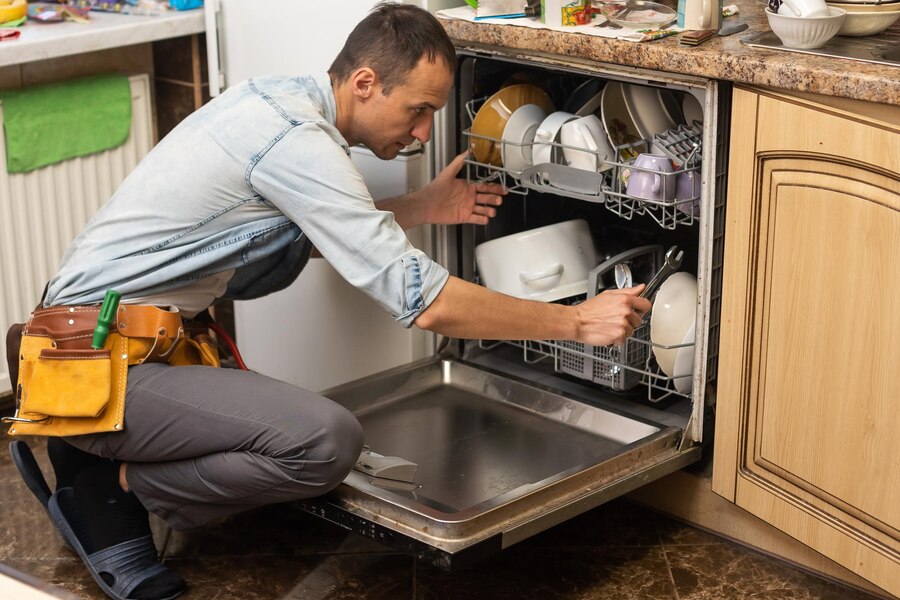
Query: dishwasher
point(489, 442)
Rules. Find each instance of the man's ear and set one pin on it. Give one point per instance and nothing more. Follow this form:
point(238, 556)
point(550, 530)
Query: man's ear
point(363, 82)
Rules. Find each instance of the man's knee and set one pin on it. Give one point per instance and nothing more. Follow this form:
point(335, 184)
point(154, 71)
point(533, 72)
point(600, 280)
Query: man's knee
point(341, 451)
point(322, 459)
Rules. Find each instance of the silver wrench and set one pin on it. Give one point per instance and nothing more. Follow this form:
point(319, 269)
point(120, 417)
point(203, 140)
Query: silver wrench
point(671, 264)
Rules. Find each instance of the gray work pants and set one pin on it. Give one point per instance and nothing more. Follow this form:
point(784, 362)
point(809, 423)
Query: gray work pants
point(203, 443)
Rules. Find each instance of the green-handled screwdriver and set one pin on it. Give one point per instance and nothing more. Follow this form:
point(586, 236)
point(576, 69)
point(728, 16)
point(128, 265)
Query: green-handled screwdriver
point(106, 318)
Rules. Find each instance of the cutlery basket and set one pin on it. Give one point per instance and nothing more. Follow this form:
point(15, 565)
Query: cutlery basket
point(617, 367)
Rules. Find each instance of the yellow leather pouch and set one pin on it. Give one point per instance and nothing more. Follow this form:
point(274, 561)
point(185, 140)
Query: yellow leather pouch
point(65, 388)
point(69, 383)
point(64, 392)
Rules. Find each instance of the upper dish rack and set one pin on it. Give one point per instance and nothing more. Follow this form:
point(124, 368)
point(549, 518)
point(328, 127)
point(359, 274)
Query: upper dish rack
point(609, 184)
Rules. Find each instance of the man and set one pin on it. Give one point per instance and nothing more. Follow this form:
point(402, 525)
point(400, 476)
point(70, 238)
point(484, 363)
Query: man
point(230, 205)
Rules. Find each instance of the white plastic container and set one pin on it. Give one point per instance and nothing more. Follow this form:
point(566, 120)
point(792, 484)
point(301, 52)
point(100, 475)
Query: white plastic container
point(546, 264)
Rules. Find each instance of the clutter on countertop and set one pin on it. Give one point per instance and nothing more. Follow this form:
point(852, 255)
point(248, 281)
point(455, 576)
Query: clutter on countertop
point(50, 123)
point(499, 8)
point(603, 28)
point(12, 12)
point(566, 13)
point(46, 12)
point(696, 37)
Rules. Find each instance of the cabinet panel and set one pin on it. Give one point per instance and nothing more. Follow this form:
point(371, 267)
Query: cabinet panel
point(827, 383)
point(807, 414)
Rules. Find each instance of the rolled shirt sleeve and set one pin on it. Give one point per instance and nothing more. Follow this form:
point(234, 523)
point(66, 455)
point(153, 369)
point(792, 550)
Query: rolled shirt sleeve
point(308, 175)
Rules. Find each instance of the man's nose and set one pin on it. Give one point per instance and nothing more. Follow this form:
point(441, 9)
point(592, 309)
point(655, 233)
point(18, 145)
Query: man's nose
point(422, 130)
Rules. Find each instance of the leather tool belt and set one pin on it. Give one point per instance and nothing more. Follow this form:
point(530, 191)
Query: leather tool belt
point(64, 387)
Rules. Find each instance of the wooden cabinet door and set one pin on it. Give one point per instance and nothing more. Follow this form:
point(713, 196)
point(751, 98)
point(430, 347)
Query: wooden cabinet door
point(808, 411)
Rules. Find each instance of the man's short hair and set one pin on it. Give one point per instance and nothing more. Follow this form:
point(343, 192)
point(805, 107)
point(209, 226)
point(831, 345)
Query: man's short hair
point(391, 41)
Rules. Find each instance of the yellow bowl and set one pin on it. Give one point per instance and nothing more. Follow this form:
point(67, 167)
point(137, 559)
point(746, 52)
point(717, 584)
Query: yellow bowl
point(487, 127)
point(13, 10)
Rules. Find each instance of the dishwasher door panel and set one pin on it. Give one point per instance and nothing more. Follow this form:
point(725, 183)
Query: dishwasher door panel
point(498, 459)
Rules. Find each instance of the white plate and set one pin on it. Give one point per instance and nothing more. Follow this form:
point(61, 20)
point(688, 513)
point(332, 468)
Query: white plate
point(647, 109)
point(619, 126)
point(691, 108)
point(518, 135)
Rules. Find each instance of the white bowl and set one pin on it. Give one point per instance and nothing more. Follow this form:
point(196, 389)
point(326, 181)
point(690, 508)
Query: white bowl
point(674, 314)
point(546, 264)
point(864, 22)
point(806, 32)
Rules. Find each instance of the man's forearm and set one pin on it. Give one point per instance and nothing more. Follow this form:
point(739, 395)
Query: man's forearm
point(466, 310)
point(408, 210)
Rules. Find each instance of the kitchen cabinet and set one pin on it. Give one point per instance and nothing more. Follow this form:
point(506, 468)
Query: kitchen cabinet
point(807, 415)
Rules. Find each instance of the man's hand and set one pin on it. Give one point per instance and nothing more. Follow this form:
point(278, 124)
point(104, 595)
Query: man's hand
point(449, 201)
point(611, 316)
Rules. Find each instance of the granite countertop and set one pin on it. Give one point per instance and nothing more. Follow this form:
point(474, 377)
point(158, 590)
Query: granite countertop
point(724, 58)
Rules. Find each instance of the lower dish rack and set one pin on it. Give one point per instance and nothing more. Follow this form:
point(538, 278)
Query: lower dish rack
point(618, 367)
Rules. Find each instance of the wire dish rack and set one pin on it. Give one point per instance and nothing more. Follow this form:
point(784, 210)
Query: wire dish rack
point(606, 365)
point(619, 368)
point(608, 185)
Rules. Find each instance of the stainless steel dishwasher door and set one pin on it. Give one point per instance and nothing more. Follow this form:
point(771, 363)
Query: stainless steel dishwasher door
point(498, 460)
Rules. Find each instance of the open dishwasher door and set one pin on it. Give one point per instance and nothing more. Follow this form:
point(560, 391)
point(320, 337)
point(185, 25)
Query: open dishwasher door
point(497, 460)
point(491, 442)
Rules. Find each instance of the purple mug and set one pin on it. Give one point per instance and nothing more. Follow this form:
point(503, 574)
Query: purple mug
point(687, 187)
point(648, 179)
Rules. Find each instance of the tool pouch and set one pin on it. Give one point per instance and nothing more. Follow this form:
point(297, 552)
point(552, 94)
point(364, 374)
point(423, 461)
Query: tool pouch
point(64, 387)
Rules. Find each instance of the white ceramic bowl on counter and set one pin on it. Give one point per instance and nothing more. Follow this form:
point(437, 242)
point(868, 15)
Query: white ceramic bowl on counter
point(806, 32)
point(867, 19)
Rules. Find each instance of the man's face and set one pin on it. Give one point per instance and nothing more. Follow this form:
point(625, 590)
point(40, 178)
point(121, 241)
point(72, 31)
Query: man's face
point(393, 121)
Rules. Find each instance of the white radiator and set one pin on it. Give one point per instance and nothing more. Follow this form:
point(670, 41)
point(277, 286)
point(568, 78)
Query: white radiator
point(42, 211)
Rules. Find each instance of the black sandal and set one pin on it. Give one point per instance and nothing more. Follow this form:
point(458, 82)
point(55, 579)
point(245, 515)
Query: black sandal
point(128, 563)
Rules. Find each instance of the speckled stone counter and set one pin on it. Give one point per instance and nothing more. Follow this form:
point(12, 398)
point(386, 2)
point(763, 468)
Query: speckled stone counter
point(724, 58)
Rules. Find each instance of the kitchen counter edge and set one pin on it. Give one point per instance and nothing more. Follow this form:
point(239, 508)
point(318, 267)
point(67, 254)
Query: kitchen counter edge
point(723, 58)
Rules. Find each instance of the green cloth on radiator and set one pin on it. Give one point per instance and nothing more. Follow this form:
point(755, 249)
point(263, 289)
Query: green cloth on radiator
point(50, 123)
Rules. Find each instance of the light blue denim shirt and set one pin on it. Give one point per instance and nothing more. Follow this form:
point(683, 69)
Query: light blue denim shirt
point(249, 182)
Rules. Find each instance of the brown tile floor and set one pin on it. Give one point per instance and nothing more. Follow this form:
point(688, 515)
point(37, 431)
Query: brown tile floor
point(617, 551)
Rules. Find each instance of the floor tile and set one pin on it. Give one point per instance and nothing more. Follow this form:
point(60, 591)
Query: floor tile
point(26, 532)
point(638, 573)
point(320, 577)
point(67, 573)
point(676, 533)
point(735, 573)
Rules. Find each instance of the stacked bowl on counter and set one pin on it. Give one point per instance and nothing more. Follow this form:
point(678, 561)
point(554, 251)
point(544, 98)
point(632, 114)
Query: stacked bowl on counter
point(867, 17)
point(809, 24)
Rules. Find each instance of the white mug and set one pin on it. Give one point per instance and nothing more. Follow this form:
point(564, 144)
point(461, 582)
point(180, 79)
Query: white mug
point(587, 133)
point(803, 8)
point(545, 149)
point(700, 14)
